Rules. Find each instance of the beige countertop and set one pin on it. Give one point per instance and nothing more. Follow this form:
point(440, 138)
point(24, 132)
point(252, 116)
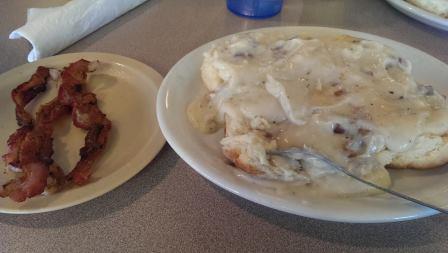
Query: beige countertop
point(168, 206)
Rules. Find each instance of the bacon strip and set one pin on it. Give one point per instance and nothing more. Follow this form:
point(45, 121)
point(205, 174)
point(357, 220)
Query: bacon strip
point(26, 92)
point(14, 142)
point(21, 96)
point(30, 147)
point(85, 115)
point(74, 79)
point(35, 154)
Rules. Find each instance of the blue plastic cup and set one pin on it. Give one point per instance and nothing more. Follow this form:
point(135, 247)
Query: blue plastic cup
point(255, 8)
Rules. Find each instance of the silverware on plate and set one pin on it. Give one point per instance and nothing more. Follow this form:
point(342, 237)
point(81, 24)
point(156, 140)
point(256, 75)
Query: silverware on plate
point(301, 153)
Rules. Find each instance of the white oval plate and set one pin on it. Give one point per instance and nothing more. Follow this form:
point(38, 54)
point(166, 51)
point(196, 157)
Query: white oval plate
point(420, 14)
point(203, 152)
point(126, 91)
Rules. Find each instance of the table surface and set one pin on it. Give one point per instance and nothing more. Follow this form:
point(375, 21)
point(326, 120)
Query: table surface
point(168, 206)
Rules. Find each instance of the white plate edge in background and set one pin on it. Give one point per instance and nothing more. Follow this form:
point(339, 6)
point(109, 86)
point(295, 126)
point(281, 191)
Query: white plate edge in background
point(420, 14)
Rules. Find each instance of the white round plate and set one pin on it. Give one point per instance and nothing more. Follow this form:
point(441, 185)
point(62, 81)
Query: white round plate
point(203, 152)
point(420, 14)
point(126, 91)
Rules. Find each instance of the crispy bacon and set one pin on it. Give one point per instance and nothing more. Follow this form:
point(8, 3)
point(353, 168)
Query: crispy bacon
point(73, 81)
point(30, 147)
point(47, 115)
point(21, 96)
point(14, 142)
point(31, 184)
point(26, 92)
point(35, 153)
point(86, 115)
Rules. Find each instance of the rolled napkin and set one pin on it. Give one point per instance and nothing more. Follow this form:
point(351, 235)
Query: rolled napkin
point(49, 30)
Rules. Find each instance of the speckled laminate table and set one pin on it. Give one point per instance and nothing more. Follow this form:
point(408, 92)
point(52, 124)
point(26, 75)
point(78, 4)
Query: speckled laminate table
point(169, 207)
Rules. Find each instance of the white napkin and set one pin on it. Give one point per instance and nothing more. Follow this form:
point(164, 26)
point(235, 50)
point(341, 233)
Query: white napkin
point(49, 30)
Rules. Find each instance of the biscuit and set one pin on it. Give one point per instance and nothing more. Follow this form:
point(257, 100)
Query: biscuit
point(429, 151)
point(350, 99)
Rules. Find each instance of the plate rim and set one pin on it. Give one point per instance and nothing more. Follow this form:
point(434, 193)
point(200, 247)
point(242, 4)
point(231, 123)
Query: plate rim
point(196, 165)
point(156, 141)
point(420, 14)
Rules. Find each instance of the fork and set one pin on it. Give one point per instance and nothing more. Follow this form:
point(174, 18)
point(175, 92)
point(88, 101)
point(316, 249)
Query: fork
point(301, 153)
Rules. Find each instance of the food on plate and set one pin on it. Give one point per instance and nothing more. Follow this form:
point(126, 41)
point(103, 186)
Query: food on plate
point(21, 96)
point(353, 100)
point(30, 148)
point(438, 7)
point(85, 115)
